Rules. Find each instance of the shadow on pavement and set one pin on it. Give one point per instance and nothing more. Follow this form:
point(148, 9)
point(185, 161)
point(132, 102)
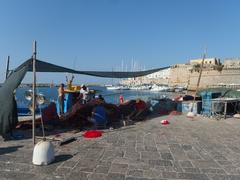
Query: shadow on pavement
point(11, 149)
point(62, 157)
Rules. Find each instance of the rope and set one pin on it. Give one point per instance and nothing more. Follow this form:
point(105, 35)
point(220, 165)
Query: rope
point(42, 125)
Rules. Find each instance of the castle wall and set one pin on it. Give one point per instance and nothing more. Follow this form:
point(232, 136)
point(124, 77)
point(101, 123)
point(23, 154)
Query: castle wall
point(179, 75)
point(186, 75)
point(211, 78)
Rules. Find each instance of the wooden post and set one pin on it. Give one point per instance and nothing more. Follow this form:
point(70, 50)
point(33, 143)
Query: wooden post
point(7, 68)
point(199, 77)
point(34, 90)
point(198, 82)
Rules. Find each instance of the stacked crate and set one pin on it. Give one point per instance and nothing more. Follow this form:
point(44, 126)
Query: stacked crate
point(207, 102)
point(188, 106)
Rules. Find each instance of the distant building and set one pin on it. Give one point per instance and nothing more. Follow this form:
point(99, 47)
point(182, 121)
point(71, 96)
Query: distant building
point(208, 61)
point(159, 77)
point(233, 63)
point(163, 74)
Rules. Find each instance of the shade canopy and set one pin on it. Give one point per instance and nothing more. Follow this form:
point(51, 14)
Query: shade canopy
point(8, 110)
point(42, 66)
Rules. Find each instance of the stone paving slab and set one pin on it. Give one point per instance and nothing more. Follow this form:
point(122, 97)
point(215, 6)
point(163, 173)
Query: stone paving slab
point(201, 148)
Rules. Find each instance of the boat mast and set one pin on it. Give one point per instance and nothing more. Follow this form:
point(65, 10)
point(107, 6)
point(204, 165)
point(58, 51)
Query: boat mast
point(34, 90)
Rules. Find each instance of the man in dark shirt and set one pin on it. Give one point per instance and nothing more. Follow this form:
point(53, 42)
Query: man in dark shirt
point(140, 112)
point(61, 98)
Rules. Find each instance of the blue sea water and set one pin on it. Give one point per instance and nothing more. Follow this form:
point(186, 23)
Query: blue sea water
point(109, 96)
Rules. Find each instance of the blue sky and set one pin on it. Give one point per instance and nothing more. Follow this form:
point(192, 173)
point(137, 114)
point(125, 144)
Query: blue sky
point(101, 34)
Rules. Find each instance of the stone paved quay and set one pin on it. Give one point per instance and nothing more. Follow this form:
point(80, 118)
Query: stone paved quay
point(185, 149)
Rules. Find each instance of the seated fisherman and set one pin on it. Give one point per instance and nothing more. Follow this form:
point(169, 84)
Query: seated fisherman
point(100, 98)
point(99, 117)
point(140, 112)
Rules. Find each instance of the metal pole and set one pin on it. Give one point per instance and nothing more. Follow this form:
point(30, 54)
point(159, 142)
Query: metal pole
point(7, 68)
point(34, 90)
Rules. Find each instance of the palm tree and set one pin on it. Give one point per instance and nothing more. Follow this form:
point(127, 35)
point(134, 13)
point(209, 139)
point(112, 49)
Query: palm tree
point(196, 67)
point(218, 67)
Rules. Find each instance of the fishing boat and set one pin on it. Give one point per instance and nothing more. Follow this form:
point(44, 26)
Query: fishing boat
point(125, 88)
point(24, 107)
point(179, 89)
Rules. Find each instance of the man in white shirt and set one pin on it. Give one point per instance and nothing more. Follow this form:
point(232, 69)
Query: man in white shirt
point(84, 94)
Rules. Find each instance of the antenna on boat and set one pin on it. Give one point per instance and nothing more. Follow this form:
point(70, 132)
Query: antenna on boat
point(7, 67)
point(34, 89)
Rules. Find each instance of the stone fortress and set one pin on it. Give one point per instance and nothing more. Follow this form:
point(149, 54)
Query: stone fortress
point(214, 74)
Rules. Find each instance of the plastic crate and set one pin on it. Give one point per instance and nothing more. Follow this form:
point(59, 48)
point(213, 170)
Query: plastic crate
point(207, 101)
point(210, 95)
point(186, 106)
point(206, 106)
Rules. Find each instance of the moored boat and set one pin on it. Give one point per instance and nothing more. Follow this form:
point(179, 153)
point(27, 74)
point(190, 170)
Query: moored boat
point(111, 88)
point(159, 88)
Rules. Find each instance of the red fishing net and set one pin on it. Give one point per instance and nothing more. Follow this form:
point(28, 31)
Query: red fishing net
point(165, 122)
point(175, 113)
point(92, 134)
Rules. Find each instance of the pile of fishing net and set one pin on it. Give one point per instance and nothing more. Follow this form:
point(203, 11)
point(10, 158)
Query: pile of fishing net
point(165, 112)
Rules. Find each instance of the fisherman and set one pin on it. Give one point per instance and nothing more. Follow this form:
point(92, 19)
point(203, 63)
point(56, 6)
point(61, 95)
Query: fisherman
point(61, 98)
point(101, 98)
point(84, 93)
point(99, 117)
point(140, 110)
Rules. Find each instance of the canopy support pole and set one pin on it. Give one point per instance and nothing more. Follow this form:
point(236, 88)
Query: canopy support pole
point(7, 67)
point(34, 91)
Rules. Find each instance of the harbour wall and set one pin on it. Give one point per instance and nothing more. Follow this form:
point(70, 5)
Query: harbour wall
point(185, 75)
point(212, 78)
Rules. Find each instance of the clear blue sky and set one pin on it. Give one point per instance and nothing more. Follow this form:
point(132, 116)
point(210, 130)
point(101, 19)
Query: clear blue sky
point(100, 34)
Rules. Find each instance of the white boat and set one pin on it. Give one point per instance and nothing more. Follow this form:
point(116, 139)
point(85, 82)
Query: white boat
point(179, 89)
point(159, 88)
point(140, 87)
point(124, 88)
point(112, 88)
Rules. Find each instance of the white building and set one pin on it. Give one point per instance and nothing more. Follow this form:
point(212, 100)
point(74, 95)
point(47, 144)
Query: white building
point(209, 61)
point(163, 74)
point(232, 63)
point(160, 77)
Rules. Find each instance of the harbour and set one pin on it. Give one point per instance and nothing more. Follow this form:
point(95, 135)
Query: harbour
point(119, 90)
